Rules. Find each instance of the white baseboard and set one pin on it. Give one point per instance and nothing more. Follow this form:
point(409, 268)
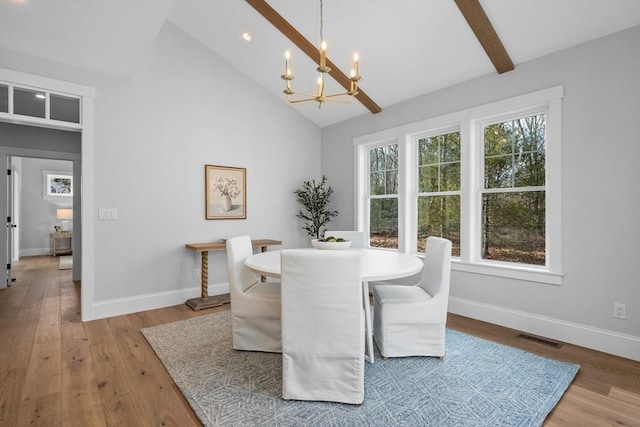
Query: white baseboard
point(615, 343)
point(35, 252)
point(120, 306)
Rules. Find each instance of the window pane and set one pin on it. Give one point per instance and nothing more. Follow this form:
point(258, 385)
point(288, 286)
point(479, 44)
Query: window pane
point(428, 178)
point(439, 163)
point(65, 108)
point(439, 216)
point(384, 223)
point(4, 99)
point(377, 183)
point(513, 227)
point(28, 102)
point(515, 153)
point(450, 177)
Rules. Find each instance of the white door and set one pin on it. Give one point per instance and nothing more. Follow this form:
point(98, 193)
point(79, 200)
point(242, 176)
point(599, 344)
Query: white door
point(15, 215)
point(7, 195)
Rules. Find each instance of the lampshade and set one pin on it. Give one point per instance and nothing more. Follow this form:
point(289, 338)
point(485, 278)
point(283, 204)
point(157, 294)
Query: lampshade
point(65, 213)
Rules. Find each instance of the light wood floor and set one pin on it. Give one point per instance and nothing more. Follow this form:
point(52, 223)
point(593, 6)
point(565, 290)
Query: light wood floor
point(58, 371)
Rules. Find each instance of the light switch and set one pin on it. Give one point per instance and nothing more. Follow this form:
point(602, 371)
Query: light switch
point(108, 213)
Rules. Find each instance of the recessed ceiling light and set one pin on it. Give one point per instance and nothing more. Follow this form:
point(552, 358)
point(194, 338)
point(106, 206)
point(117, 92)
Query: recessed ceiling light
point(246, 37)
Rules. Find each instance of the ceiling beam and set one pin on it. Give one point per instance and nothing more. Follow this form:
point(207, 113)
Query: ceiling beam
point(307, 47)
point(479, 22)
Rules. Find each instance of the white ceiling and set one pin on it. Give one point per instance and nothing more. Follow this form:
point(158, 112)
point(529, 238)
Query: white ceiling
point(407, 47)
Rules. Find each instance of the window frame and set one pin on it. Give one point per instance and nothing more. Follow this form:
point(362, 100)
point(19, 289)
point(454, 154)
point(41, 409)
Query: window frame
point(469, 123)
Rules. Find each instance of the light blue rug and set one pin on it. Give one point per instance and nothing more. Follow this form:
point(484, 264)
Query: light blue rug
point(479, 383)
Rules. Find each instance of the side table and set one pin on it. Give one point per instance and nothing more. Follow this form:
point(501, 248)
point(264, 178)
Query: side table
point(54, 245)
point(206, 301)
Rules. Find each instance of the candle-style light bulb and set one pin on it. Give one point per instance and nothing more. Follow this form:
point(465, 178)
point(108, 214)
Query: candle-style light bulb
point(323, 49)
point(355, 63)
point(287, 71)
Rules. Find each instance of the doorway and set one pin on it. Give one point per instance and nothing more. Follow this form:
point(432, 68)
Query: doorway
point(44, 153)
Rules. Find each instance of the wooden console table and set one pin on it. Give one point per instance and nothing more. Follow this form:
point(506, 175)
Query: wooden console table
point(206, 301)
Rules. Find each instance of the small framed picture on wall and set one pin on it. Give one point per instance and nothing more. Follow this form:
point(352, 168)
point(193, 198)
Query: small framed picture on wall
point(225, 192)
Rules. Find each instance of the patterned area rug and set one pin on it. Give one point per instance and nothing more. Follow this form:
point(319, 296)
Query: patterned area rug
point(479, 383)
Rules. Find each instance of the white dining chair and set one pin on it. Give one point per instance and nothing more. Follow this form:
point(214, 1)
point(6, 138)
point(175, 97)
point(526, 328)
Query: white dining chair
point(255, 305)
point(358, 238)
point(411, 320)
point(322, 326)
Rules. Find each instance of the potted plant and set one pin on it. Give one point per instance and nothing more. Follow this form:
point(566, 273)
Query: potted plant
point(314, 197)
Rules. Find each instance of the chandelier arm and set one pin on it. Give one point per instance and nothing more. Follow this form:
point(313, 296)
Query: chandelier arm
point(297, 101)
point(336, 95)
point(310, 95)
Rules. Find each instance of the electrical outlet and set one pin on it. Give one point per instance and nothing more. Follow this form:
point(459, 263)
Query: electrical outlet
point(196, 273)
point(619, 310)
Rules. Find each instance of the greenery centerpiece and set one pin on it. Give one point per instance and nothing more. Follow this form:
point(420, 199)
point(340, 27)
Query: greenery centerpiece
point(314, 197)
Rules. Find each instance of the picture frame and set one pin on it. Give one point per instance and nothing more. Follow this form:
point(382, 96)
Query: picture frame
point(57, 184)
point(225, 192)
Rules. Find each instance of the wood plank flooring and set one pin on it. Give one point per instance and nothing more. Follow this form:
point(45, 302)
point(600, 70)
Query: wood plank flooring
point(58, 371)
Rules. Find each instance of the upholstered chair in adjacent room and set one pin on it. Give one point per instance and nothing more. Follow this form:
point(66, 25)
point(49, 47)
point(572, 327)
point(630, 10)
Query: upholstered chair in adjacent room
point(322, 326)
point(410, 320)
point(358, 238)
point(255, 305)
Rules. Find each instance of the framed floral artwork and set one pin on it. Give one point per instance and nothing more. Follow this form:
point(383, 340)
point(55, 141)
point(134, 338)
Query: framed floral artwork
point(225, 192)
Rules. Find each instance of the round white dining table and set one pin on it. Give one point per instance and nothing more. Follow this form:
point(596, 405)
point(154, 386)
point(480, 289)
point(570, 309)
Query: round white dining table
point(375, 265)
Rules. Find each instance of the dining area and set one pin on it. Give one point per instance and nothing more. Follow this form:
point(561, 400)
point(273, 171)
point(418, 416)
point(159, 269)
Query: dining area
point(314, 306)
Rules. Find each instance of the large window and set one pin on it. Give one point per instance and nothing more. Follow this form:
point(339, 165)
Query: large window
point(383, 196)
point(488, 179)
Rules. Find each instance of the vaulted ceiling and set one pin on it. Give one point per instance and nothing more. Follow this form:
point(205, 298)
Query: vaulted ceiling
point(407, 48)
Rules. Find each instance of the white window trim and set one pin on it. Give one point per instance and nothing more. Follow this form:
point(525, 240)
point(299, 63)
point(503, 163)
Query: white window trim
point(467, 121)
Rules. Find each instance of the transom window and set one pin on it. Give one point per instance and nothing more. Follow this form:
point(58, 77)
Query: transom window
point(39, 104)
point(487, 178)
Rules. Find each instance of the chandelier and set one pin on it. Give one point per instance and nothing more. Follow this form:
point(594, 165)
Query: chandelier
point(320, 96)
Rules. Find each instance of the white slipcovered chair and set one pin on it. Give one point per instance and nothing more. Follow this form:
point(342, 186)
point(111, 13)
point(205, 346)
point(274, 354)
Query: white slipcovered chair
point(358, 239)
point(255, 305)
point(322, 326)
point(410, 320)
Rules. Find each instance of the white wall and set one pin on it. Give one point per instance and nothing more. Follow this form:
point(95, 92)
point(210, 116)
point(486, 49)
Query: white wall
point(38, 213)
point(153, 135)
point(601, 192)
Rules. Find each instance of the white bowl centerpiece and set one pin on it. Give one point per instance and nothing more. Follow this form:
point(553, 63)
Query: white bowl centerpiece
point(331, 242)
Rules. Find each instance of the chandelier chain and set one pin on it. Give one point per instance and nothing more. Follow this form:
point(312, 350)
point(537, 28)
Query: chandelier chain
point(321, 22)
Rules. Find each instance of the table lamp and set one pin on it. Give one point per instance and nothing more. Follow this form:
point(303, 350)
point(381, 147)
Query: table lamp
point(65, 215)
